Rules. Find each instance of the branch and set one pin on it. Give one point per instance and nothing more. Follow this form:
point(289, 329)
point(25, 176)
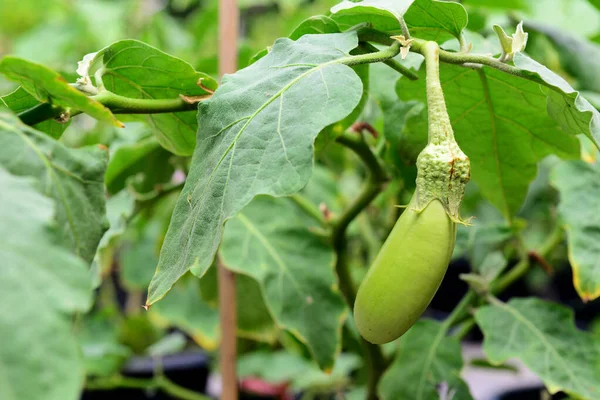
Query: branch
point(477, 60)
point(375, 361)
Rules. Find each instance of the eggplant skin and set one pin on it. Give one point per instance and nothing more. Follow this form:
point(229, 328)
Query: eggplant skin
point(405, 274)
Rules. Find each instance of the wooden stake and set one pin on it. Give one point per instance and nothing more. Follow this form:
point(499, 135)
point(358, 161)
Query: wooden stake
point(228, 59)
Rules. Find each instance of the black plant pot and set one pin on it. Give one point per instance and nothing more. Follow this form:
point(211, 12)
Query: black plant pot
point(189, 370)
point(529, 394)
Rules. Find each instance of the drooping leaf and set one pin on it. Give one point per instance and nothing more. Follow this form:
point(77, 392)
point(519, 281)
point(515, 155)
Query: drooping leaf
point(565, 105)
point(579, 186)
point(48, 86)
point(426, 358)
point(256, 139)
point(543, 336)
point(42, 286)
point(136, 70)
point(501, 122)
point(426, 19)
point(270, 241)
point(578, 56)
point(185, 309)
point(74, 178)
point(20, 100)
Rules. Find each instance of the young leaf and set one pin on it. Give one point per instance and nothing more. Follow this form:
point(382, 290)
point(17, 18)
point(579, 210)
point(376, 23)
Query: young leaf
point(136, 70)
point(74, 178)
point(269, 241)
point(426, 358)
point(48, 86)
point(257, 137)
point(42, 285)
point(502, 124)
point(579, 186)
point(20, 100)
point(543, 336)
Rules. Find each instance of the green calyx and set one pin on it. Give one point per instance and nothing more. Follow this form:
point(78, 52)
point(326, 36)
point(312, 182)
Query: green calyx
point(443, 168)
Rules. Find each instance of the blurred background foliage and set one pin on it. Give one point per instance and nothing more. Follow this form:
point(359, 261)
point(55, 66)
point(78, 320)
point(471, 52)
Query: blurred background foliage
point(564, 35)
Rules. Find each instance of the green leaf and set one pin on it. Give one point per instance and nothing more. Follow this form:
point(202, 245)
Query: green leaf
point(136, 70)
point(270, 241)
point(184, 308)
point(99, 340)
point(501, 122)
point(42, 286)
point(118, 209)
point(254, 322)
point(145, 159)
point(255, 139)
point(427, 19)
point(74, 178)
point(579, 186)
point(571, 110)
point(544, 337)
point(20, 100)
point(426, 358)
point(319, 24)
point(280, 367)
point(579, 57)
point(48, 86)
point(435, 20)
point(574, 16)
point(139, 254)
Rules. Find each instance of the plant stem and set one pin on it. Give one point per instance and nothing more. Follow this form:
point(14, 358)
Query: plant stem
point(160, 382)
point(309, 208)
point(375, 361)
point(379, 56)
point(464, 328)
point(393, 64)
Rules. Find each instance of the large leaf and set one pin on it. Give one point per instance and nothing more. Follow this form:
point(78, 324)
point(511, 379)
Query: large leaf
point(257, 137)
point(427, 19)
point(48, 86)
point(544, 337)
point(20, 100)
point(501, 122)
point(72, 177)
point(270, 241)
point(426, 358)
point(579, 186)
point(134, 69)
point(42, 285)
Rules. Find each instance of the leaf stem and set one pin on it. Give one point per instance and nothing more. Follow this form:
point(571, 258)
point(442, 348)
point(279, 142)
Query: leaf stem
point(522, 267)
point(159, 382)
point(375, 361)
point(393, 64)
point(379, 56)
point(117, 105)
point(309, 208)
